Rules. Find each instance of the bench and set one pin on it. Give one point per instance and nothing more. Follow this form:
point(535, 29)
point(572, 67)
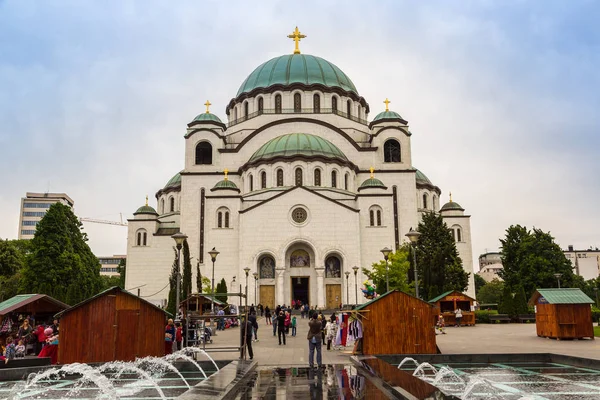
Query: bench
point(526, 317)
point(499, 317)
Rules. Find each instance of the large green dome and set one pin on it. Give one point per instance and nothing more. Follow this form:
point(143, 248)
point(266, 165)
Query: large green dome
point(174, 181)
point(297, 68)
point(295, 144)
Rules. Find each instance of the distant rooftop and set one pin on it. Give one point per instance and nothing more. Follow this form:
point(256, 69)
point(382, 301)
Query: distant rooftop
point(49, 196)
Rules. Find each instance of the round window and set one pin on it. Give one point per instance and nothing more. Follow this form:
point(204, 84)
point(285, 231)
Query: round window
point(299, 215)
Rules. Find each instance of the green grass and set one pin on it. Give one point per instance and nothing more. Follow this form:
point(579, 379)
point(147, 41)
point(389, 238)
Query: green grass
point(597, 331)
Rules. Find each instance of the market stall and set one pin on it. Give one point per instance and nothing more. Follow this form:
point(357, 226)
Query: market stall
point(447, 303)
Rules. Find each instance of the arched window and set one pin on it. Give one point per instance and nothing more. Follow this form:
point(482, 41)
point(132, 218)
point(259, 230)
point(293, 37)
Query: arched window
point(141, 238)
point(371, 217)
point(219, 219)
point(346, 181)
point(162, 206)
point(378, 217)
point(297, 103)
point(250, 182)
point(279, 177)
point(203, 153)
point(316, 103)
point(375, 216)
point(223, 217)
point(299, 258)
point(298, 175)
point(317, 177)
point(278, 104)
point(425, 201)
point(260, 105)
point(391, 151)
point(226, 219)
point(333, 267)
point(349, 108)
point(334, 106)
point(358, 110)
point(266, 267)
point(458, 235)
point(263, 180)
point(246, 110)
point(334, 179)
point(434, 203)
point(235, 114)
point(171, 204)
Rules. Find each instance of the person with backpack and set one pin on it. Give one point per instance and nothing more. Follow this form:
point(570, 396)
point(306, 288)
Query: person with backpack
point(314, 341)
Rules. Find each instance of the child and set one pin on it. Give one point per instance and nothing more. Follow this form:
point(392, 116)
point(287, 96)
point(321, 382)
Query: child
point(20, 349)
point(294, 325)
point(441, 324)
point(10, 351)
point(178, 335)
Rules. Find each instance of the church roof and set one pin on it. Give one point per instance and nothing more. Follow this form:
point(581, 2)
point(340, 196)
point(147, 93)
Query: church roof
point(225, 184)
point(451, 205)
point(294, 144)
point(174, 181)
point(421, 178)
point(372, 183)
point(387, 115)
point(145, 209)
point(297, 68)
point(207, 117)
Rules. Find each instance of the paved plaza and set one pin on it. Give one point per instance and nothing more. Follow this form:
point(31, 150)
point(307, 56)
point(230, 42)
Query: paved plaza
point(480, 339)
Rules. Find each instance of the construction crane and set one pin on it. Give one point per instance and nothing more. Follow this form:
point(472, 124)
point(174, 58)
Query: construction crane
point(102, 221)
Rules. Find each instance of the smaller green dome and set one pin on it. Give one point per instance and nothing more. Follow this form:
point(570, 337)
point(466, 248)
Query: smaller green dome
point(387, 115)
point(298, 144)
point(225, 184)
point(421, 178)
point(207, 117)
point(451, 205)
point(145, 209)
point(372, 183)
point(174, 181)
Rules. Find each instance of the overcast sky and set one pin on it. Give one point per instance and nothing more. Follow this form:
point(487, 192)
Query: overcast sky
point(502, 98)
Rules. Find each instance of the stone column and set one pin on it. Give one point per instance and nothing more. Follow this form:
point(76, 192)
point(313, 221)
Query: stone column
point(279, 299)
point(320, 271)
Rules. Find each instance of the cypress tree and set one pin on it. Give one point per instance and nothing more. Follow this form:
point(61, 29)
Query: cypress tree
point(186, 284)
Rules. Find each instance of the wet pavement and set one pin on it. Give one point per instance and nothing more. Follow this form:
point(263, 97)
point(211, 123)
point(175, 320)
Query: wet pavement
point(329, 382)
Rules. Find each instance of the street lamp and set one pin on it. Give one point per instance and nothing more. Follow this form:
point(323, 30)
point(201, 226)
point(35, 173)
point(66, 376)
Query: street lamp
point(413, 236)
point(347, 292)
point(213, 256)
point(355, 268)
point(557, 276)
point(179, 239)
point(255, 275)
point(386, 252)
point(246, 270)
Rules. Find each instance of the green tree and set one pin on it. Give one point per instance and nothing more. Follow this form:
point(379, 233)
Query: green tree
point(520, 301)
point(199, 278)
point(107, 282)
point(122, 268)
point(506, 305)
point(221, 288)
point(398, 263)
point(60, 257)
point(186, 284)
point(12, 258)
point(491, 292)
point(479, 283)
point(173, 285)
point(437, 257)
point(531, 258)
point(456, 277)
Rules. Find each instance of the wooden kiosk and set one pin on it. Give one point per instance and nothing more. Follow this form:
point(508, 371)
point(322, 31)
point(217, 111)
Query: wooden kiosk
point(112, 325)
point(397, 323)
point(563, 313)
point(446, 303)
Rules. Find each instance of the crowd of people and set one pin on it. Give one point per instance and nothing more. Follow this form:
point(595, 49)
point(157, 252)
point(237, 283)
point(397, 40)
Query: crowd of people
point(24, 337)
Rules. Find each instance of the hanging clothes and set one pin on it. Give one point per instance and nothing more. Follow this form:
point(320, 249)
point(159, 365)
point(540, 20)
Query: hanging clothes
point(344, 328)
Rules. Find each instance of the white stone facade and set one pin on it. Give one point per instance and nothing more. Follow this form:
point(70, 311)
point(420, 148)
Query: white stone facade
point(252, 222)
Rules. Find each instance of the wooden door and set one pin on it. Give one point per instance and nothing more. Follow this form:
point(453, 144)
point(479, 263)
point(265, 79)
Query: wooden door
point(127, 335)
point(333, 294)
point(267, 296)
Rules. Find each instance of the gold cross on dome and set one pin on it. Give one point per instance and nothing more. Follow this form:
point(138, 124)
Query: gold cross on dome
point(146, 199)
point(207, 104)
point(372, 171)
point(450, 197)
point(226, 171)
point(387, 102)
point(296, 35)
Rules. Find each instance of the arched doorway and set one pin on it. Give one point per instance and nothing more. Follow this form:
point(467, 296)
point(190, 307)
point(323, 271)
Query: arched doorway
point(333, 281)
point(300, 278)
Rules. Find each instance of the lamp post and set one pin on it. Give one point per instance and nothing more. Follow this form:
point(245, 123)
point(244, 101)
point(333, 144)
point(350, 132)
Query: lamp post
point(557, 276)
point(232, 284)
point(213, 256)
point(246, 270)
point(347, 292)
point(255, 275)
point(355, 269)
point(386, 252)
point(179, 239)
point(413, 236)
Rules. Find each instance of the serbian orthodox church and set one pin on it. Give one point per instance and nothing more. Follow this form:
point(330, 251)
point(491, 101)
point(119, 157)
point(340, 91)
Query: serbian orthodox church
point(298, 187)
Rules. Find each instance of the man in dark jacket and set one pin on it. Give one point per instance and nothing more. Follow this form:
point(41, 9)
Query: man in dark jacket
point(281, 327)
point(246, 328)
point(252, 319)
point(314, 340)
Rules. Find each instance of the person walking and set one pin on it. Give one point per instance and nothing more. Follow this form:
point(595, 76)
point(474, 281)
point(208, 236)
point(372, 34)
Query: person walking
point(281, 327)
point(314, 341)
point(274, 323)
point(178, 335)
point(458, 313)
point(331, 331)
point(323, 325)
point(268, 315)
point(169, 337)
point(246, 330)
point(252, 319)
point(294, 325)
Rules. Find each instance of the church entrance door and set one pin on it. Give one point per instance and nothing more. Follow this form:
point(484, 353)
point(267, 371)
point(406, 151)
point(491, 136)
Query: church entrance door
point(300, 289)
point(267, 296)
point(333, 295)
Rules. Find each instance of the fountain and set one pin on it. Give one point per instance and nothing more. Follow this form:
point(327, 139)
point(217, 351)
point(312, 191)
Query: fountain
point(474, 382)
point(407, 359)
point(121, 367)
point(444, 372)
point(420, 371)
point(163, 364)
point(180, 355)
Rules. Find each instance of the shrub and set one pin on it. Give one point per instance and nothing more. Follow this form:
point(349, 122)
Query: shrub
point(595, 314)
point(483, 316)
